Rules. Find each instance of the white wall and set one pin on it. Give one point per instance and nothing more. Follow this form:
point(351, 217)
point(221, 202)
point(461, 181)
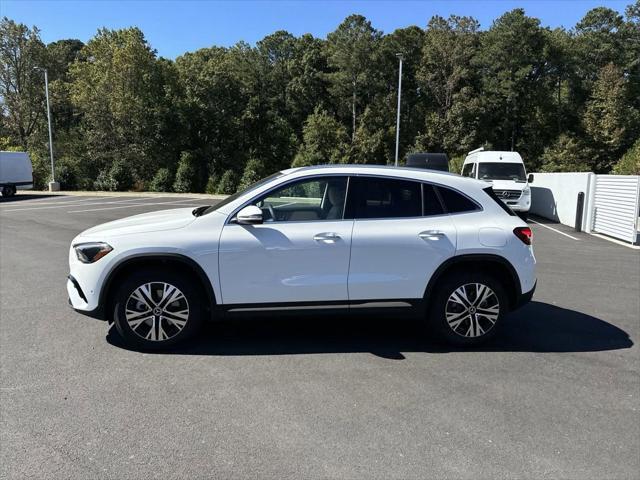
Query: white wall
point(555, 196)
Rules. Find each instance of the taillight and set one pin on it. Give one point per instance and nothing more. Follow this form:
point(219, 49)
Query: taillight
point(523, 233)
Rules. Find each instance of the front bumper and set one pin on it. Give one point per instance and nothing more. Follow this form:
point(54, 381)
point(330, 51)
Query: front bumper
point(523, 204)
point(78, 300)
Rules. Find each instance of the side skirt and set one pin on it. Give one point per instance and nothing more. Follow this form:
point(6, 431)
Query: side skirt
point(412, 308)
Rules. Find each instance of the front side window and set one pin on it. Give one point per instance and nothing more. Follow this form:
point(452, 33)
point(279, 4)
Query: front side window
point(501, 171)
point(467, 170)
point(320, 198)
point(371, 197)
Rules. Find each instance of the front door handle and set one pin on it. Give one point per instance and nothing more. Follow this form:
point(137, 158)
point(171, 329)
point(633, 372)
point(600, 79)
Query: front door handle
point(431, 235)
point(326, 237)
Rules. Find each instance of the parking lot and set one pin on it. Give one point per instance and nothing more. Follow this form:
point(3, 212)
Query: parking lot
point(555, 395)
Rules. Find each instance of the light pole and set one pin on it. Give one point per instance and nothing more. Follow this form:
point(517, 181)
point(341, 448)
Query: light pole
point(400, 57)
point(53, 185)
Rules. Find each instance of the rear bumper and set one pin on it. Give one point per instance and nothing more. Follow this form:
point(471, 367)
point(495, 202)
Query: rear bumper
point(525, 297)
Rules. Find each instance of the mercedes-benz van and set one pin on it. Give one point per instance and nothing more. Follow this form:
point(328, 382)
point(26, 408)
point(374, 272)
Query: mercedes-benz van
point(507, 175)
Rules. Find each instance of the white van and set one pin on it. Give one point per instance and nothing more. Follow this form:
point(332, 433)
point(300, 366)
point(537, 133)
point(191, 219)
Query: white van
point(15, 171)
point(506, 172)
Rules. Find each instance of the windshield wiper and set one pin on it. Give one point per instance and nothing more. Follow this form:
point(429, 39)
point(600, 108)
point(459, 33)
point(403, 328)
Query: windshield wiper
point(200, 210)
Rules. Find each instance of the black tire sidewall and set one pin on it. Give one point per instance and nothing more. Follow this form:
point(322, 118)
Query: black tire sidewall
point(437, 318)
point(185, 284)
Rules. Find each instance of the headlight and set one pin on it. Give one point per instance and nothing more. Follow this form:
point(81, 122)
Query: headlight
point(91, 252)
point(527, 191)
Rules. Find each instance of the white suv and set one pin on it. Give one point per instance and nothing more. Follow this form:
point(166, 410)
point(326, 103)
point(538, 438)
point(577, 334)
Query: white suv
point(334, 239)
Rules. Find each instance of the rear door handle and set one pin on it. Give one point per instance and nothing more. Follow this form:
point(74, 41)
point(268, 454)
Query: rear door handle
point(326, 237)
point(431, 235)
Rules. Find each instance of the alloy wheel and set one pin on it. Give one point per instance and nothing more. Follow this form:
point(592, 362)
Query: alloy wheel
point(472, 310)
point(157, 311)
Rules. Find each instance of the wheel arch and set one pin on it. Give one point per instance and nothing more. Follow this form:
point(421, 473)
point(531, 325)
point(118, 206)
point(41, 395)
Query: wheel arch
point(486, 263)
point(175, 260)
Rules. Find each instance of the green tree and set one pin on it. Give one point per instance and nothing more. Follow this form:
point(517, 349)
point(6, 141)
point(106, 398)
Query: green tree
point(21, 85)
point(162, 181)
point(609, 120)
point(567, 154)
point(629, 164)
point(324, 141)
point(228, 183)
point(186, 175)
point(449, 78)
point(351, 50)
point(253, 171)
point(120, 92)
point(513, 65)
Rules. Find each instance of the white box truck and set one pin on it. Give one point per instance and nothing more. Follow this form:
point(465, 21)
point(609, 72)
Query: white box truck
point(15, 171)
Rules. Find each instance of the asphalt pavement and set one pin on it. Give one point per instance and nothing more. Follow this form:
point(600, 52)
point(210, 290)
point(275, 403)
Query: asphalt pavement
point(554, 395)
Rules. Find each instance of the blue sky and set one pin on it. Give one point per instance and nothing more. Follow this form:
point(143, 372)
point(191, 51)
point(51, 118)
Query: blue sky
point(174, 27)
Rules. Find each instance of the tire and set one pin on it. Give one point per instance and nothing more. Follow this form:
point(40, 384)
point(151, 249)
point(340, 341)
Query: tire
point(154, 309)
point(448, 303)
point(8, 191)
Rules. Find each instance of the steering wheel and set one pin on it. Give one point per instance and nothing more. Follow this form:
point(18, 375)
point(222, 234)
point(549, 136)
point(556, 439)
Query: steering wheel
point(272, 212)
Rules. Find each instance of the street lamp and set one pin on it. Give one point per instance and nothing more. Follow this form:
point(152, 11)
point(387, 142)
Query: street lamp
point(53, 185)
point(400, 57)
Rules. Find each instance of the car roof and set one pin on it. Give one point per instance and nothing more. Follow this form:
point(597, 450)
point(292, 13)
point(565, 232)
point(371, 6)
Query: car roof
point(494, 156)
point(413, 173)
point(452, 180)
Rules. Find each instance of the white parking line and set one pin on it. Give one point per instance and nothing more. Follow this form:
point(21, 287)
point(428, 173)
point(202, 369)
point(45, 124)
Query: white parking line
point(555, 230)
point(86, 201)
point(39, 204)
point(178, 202)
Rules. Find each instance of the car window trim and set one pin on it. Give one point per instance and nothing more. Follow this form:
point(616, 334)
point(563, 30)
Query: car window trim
point(283, 184)
point(390, 177)
point(435, 186)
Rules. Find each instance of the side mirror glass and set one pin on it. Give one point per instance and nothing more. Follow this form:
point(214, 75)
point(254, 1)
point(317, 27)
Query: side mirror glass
point(530, 178)
point(249, 215)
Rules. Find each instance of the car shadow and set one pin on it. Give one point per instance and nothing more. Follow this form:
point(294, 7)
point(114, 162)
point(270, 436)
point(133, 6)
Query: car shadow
point(537, 327)
point(21, 197)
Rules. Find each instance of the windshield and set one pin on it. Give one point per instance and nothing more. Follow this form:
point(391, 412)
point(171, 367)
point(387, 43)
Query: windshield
point(501, 171)
point(238, 194)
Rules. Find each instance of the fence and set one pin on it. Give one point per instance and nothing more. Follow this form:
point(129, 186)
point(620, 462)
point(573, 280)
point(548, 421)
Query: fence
point(611, 202)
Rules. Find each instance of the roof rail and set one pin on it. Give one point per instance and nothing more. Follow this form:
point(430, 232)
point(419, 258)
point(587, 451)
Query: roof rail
point(476, 150)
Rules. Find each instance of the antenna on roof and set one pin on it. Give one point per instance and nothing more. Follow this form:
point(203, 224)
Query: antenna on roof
point(476, 150)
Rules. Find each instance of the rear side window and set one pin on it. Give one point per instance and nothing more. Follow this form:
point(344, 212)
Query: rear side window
point(371, 197)
point(455, 202)
point(430, 201)
point(489, 191)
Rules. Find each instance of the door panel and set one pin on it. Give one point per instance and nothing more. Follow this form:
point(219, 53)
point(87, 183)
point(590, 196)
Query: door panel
point(285, 261)
point(395, 258)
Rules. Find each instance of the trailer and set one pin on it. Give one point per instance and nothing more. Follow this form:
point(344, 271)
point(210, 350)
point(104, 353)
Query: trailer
point(15, 172)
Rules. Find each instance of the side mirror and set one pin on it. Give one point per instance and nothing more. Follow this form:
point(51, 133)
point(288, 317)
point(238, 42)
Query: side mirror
point(249, 215)
point(530, 178)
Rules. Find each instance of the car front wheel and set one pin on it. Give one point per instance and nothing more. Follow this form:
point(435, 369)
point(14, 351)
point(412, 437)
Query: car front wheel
point(468, 308)
point(155, 309)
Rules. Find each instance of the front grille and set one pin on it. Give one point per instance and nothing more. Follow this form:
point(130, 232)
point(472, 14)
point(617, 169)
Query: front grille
point(508, 194)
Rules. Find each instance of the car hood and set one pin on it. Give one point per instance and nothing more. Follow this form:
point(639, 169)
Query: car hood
point(506, 184)
point(147, 222)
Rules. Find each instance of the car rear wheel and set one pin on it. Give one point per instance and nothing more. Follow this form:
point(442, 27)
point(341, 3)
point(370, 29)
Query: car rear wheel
point(468, 308)
point(156, 309)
